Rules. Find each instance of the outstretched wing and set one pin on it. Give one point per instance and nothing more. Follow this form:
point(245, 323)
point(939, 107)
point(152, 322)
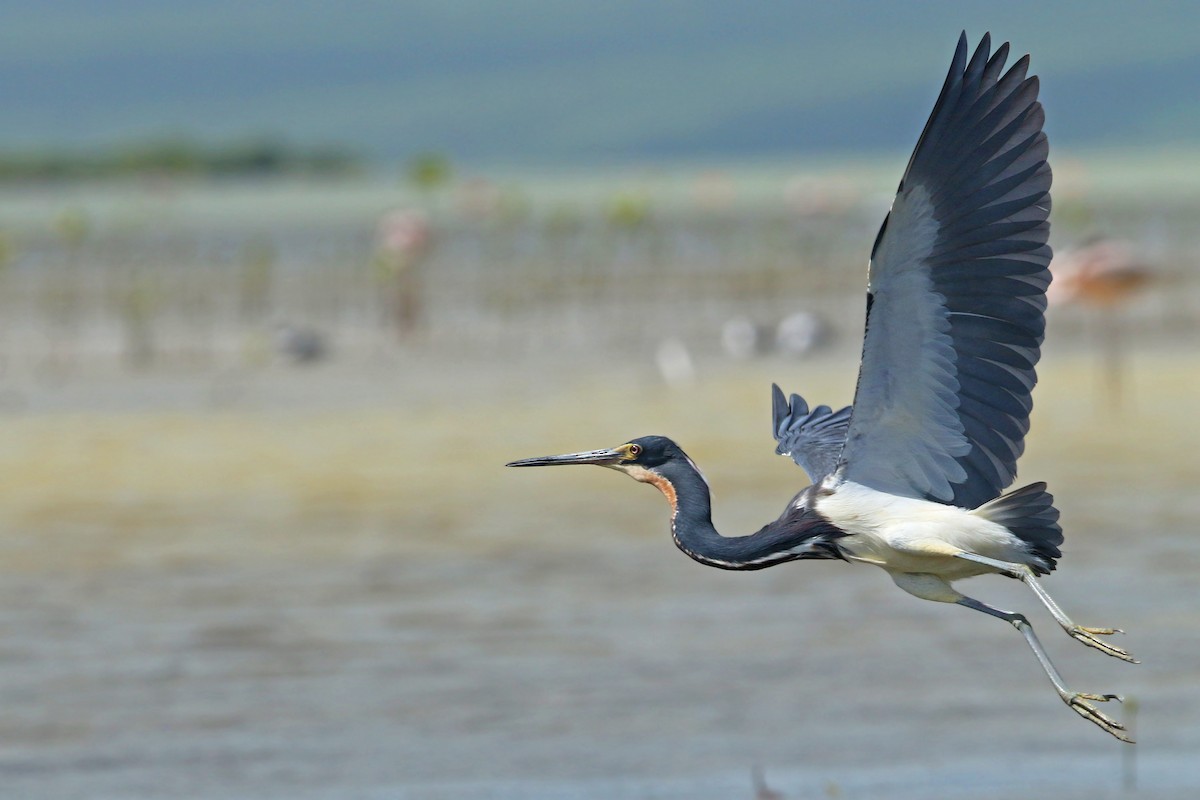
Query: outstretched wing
point(957, 294)
point(813, 438)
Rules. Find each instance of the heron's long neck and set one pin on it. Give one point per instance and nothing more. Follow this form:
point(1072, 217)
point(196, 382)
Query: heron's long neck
point(797, 534)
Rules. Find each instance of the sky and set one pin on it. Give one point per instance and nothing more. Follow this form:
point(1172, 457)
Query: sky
point(531, 81)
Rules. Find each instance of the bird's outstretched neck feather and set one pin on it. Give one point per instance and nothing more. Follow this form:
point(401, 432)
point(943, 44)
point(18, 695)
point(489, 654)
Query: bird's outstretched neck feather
point(799, 533)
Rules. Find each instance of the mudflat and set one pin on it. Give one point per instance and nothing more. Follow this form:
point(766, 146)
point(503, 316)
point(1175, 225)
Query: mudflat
point(322, 583)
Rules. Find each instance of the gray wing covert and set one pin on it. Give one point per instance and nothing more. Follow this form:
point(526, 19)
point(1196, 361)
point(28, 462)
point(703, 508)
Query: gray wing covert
point(813, 438)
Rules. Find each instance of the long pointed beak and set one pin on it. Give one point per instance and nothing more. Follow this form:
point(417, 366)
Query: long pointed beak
point(603, 458)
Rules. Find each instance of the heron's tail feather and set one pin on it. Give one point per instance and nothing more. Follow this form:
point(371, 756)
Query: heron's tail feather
point(1030, 515)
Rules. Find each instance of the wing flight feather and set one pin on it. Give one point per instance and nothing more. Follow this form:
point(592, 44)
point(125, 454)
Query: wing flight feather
point(957, 295)
point(813, 438)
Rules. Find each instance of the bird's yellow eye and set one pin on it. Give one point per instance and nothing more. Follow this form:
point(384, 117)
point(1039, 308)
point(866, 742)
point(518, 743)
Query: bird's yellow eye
point(635, 450)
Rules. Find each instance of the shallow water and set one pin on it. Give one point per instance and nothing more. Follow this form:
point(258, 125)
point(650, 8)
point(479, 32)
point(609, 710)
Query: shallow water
point(272, 602)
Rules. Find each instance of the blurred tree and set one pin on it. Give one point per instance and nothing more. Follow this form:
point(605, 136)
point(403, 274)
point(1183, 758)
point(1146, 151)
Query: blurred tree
point(62, 294)
point(254, 285)
point(7, 257)
point(6, 251)
point(72, 226)
point(429, 172)
point(139, 303)
point(628, 211)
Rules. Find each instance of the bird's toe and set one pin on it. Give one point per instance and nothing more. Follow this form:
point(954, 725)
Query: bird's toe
point(1100, 698)
point(1078, 702)
point(1100, 631)
point(1089, 636)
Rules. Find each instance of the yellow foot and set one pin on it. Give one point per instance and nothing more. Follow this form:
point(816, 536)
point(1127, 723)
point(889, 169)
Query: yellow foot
point(1088, 637)
point(1078, 702)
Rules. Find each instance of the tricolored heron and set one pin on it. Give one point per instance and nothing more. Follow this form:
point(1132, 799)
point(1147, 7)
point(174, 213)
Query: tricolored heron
point(910, 477)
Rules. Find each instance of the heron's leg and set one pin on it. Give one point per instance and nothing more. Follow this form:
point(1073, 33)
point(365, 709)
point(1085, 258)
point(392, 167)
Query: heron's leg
point(1077, 701)
point(1086, 635)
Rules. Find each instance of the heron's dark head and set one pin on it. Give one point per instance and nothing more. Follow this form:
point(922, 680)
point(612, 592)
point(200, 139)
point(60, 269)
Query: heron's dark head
point(655, 460)
point(643, 459)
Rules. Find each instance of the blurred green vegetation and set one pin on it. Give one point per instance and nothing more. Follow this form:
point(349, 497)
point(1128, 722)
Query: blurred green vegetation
point(179, 157)
point(429, 171)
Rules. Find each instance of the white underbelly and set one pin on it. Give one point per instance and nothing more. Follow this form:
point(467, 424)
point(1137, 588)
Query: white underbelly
point(902, 534)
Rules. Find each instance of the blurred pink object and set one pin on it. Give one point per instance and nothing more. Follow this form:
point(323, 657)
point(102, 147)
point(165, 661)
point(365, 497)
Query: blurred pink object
point(810, 195)
point(404, 233)
point(402, 240)
point(1103, 274)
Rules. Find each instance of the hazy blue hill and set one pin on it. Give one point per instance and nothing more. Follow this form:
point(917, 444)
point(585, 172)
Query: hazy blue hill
point(562, 81)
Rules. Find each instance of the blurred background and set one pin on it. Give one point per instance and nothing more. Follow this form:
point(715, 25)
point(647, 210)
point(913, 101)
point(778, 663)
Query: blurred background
point(283, 285)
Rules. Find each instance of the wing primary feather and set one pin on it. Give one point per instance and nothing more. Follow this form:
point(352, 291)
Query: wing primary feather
point(996, 64)
point(949, 91)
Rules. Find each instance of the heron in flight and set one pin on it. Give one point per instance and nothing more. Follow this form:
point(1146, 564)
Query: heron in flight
point(911, 477)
